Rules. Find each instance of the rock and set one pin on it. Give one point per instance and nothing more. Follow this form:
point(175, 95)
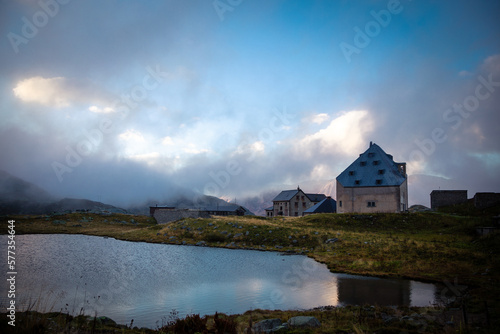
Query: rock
point(331, 240)
point(303, 321)
point(237, 235)
point(267, 325)
point(201, 243)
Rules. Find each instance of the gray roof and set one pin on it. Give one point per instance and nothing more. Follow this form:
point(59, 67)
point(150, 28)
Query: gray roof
point(373, 168)
point(285, 195)
point(227, 208)
point(316, 197)
point(328, 205)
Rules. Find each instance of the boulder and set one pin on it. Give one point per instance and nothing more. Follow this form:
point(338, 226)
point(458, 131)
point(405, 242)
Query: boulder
point(303, 322)
point(267, 325)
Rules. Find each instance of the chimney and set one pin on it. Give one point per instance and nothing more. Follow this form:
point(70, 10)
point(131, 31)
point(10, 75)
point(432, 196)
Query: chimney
point(371, 143)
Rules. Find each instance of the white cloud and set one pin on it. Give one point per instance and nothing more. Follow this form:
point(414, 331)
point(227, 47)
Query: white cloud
point(320, 118)
point(345, 134)
point(167, 141)
point(132, 136)
point(105, 110)
point(48, 92)
point(60, 92)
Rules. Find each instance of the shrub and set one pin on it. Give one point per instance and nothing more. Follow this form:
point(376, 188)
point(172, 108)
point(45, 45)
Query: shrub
point(215, 237)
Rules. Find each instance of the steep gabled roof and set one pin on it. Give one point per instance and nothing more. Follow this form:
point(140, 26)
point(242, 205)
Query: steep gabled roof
point(373, 168)
point(285, 195)
point(328, 205)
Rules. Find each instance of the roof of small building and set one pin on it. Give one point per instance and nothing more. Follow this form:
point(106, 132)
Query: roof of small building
point(227, 208)
point(328, 205)
point(269, 208)
point(373, 168)
point(285, 195)
point(316, 197)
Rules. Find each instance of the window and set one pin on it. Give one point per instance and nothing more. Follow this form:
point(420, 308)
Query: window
point(371, 204)
point(302, 197)
point(297, 197)
point(381, 171)
point(371, 155)
point(351, 173)
point(296, 214)
point(379, 181)
point(296, 205)
point(357, 182)
point(363, 163)
point(304, 205)
point(376, 162)
point(340, 203)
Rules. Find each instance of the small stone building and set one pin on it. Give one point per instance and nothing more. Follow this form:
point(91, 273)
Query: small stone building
point(373, 183)
point(441, 198)
point(293, 203)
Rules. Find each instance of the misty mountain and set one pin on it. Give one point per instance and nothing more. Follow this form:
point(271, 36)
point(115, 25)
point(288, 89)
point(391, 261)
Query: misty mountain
point(14, 189)
point(18, 196)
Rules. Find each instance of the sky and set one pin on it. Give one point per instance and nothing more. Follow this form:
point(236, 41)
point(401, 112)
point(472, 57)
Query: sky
point(130, 101)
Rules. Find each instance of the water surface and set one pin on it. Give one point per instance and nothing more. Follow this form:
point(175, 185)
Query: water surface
point(145, 282)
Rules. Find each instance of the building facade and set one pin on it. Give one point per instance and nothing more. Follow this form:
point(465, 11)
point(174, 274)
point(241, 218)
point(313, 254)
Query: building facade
point(293, 203)
point(373, 183)
point(441, 198)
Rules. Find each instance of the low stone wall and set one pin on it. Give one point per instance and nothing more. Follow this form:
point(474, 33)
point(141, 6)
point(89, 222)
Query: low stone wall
point(164, 216)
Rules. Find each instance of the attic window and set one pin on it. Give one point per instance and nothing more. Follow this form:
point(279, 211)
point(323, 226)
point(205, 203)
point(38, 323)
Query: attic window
point(371, 155)
point(379, 181)
point(381, 171)
point(363, 163)
point(351, 173)
point(357, 181)
point(376, 162)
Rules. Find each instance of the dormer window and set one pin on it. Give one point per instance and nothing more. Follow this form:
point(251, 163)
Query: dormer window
point(357, 182)
point(381, 171)
point(376, 162)
point(363, 163)
point(379, 181)
point(351, 173)
point(371, 155)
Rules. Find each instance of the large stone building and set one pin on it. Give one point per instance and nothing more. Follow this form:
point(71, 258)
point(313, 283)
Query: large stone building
point(373, 183)
point(293, 203)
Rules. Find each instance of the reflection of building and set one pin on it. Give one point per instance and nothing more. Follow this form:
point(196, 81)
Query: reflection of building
point(374, 291)
point(373, 183)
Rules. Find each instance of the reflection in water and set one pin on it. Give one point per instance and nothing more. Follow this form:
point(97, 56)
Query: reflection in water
point(369, 290)
point(145, 282)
